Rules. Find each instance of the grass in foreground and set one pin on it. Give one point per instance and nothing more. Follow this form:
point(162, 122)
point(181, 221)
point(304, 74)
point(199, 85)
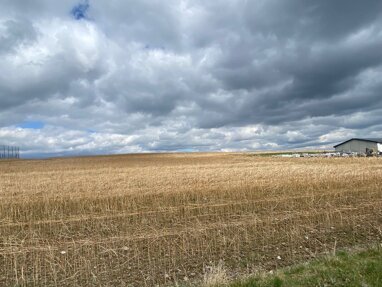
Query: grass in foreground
point(345, 269)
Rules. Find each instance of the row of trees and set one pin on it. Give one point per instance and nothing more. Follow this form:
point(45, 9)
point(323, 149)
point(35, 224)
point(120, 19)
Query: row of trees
point(7, 152)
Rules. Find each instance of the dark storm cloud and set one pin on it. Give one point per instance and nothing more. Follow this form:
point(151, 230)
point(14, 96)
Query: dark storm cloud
point(149, 22)
point(311, 20)
point(309, 43)
point(189, 75)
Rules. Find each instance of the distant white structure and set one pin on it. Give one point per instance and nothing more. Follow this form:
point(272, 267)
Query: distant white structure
point(361, 146)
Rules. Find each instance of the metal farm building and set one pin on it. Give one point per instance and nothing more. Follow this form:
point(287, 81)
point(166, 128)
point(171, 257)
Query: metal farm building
point(361, 146)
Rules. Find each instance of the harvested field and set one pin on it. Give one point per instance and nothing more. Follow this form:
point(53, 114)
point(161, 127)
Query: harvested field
point(142, 220)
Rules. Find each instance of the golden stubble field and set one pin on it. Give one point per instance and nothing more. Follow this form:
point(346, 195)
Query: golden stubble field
point(156, 219)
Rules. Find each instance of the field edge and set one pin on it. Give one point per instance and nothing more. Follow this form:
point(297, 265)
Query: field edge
point(357, 266)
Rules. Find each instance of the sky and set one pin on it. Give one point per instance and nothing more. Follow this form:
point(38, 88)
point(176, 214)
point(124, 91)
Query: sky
point(126, 76)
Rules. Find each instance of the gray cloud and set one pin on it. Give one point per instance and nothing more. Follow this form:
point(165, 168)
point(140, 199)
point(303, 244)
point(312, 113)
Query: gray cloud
point(137, 76)
point(16, 33)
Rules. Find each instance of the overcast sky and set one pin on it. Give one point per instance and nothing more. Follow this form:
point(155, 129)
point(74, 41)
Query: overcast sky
point(122, 76)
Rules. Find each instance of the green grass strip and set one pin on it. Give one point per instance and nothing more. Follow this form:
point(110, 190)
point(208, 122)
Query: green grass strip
point(362, 268)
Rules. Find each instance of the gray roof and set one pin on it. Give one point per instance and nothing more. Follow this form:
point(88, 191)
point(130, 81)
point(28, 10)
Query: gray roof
point(374, 140)
point(377, 140)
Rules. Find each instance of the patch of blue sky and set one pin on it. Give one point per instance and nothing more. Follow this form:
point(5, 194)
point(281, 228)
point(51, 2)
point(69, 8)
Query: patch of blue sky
point(79, 11)
point(31, 125)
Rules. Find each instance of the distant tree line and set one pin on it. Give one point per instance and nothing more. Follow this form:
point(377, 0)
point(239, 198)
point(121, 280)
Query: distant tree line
point(8, 152)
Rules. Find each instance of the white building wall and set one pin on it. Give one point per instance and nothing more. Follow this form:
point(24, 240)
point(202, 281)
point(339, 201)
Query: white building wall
point(358, 146)
point(380, 147)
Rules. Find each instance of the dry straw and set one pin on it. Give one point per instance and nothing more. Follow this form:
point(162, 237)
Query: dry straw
point(132, 220)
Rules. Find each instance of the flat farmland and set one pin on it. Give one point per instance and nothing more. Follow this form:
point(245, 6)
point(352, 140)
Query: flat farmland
point(162, 219)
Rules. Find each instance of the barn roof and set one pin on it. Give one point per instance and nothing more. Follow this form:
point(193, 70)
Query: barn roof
point(374, 140)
